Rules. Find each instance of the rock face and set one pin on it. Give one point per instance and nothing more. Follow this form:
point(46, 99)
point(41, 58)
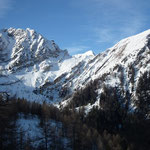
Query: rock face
point(23, 48)
point(34, 68)
point(120, 66)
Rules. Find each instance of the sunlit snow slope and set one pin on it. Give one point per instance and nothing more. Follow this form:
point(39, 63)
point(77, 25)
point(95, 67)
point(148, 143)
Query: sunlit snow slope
point(36, 69)
point(29, 62)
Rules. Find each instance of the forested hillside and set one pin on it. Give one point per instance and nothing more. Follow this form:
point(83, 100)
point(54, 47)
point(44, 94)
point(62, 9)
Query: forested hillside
point(50, 100)
point(112, 125)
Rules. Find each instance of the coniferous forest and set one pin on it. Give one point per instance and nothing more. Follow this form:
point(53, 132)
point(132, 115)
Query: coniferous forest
point(74, 75)
point(113, 126)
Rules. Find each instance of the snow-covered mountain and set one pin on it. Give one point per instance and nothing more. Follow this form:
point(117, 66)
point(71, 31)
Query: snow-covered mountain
point(120, 66)
point(34, 68)
point(29, 63)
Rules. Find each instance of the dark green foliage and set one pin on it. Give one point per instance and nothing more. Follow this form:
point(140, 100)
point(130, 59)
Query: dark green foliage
point(7, 123)
point(131, 75)
point(143, 95)
point(113, 108)
point(111, 126)
point(84, 96)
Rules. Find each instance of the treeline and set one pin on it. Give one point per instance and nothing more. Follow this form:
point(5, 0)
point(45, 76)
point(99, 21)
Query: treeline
point(84, 96)
point(111, 126)
point(12, 138)
point(78, 134)
point(115, 118)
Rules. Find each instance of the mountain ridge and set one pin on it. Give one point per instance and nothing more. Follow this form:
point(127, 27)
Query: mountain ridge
point(32, 59)
point(52, 75)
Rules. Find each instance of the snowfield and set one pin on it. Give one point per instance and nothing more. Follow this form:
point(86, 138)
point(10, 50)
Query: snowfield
point(36, 69)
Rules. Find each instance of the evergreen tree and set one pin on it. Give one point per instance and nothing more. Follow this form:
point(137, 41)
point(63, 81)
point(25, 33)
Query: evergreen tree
point(143, 95)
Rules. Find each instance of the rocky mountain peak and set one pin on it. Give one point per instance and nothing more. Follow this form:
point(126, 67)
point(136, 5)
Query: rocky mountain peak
point(30, 62)
point(26, 47)
point(35, 68)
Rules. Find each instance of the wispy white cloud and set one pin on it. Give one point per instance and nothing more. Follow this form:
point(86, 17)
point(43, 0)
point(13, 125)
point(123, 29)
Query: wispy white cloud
point(117, 19)
point(104, 35)
point(77, 49)
point(109, 21)
point(5, 6)
point(111, 34)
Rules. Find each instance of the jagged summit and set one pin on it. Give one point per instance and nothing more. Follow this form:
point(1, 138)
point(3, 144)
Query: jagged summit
point(28, 57)
point(27, 46)
point(35, 68)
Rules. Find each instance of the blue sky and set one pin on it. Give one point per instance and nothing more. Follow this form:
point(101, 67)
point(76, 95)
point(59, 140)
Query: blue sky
point(78, 25)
